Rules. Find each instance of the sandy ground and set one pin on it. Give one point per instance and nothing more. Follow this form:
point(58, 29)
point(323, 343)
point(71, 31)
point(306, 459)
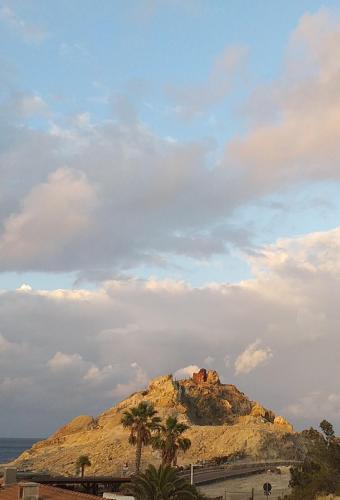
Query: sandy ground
point(240, 489)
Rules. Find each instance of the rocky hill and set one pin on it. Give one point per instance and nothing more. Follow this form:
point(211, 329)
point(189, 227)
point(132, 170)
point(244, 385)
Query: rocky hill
point(223, 421)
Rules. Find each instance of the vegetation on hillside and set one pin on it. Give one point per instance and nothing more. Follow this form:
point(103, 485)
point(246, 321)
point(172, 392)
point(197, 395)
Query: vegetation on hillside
point(169, 440)
point(161, 484)
point(82, 462)
point(142, 420)
point(320, 471)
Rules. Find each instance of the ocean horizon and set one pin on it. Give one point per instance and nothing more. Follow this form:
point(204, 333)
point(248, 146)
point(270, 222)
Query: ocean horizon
point(11, 448)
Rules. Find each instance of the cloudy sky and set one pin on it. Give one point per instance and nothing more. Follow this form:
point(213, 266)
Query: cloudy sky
point(169, 198)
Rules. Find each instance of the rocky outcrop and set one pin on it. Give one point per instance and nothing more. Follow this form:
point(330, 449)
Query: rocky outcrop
point(283, 423)
point(259, 411)
point(222, 420)
point(206, 377)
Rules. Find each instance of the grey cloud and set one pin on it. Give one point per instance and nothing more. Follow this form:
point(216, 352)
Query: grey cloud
point(154, 197)
point(60, 345)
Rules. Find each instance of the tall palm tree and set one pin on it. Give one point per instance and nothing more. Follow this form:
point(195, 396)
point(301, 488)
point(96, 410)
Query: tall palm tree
point(161, 484)
point(82, 462)
point(141, 420)
point(169, 440)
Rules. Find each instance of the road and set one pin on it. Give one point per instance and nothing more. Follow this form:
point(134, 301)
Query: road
point(206, 475)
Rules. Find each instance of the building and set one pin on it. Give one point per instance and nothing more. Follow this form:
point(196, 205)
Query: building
point(36, 491)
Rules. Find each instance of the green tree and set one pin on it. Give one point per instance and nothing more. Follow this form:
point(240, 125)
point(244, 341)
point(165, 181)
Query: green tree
point(169, 440)
point(161, 484)
point(82, 462)
point(327, 429)
point(142, 420)
point(320, 471)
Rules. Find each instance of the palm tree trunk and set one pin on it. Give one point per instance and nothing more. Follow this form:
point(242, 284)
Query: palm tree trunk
point(138, 452)
point(168, 458)
point(164, 458)
point(82, 470)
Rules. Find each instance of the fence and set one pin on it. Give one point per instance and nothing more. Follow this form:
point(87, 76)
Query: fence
point(254, 494)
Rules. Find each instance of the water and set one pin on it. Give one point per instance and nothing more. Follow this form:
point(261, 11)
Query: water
point(10, 448)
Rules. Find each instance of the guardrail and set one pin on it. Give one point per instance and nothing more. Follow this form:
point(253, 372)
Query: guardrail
point(214, 473)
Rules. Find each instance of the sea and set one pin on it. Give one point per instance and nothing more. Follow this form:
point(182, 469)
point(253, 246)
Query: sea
point(11, 448)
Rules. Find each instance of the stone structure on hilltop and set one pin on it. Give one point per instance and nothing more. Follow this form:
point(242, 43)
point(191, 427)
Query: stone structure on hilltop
point(222, 420)
point(202, 376)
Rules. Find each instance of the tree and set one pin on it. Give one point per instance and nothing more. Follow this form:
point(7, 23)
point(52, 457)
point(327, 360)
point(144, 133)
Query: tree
point(327, 429)
point(82, 462)
point(161, 484)
point(169, 440)
point(142, 420)
point(320, 471)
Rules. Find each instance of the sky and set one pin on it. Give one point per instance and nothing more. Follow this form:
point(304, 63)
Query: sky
point(169, 199)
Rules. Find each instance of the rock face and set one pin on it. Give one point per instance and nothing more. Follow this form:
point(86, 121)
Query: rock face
point(222, 420)
point(204, 377)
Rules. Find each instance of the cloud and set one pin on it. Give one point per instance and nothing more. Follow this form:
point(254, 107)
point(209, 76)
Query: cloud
point(252, 357)
point(294, 129)
point(51, 216)
point(317, 405)
point(147, 200)
point(60, 361)
point(103, 197)
point(186, 372)
point(142, 200)
point(139, 381)
point(97, 375)
point(28, 31)
point(20, 106)
point(4, 344)
point(106, 337)
point(195, 100)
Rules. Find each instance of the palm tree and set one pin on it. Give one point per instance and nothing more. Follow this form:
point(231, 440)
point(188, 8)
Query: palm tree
point(169, 440)
point(161, 484)
point(141, 420)
point(82, 462)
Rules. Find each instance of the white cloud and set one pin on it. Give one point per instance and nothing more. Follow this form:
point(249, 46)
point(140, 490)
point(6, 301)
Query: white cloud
point(60, 361)
point(51, 217)
point(117, 337)
point(98, 375)
point(25, 288)
point(252, 357)
point(186, 372)
point(103, 197)
point(293, 136)
point(172, 198)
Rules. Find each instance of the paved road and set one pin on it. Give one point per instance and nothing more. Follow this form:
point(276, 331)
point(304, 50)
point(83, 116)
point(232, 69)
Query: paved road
point(202, 475)
point(206, 475)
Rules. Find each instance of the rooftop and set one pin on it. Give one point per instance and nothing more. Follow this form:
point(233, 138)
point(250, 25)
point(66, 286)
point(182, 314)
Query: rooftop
point(45, 493)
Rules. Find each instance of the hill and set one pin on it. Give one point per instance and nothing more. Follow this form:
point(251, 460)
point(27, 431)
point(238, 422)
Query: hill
point(223, 421)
